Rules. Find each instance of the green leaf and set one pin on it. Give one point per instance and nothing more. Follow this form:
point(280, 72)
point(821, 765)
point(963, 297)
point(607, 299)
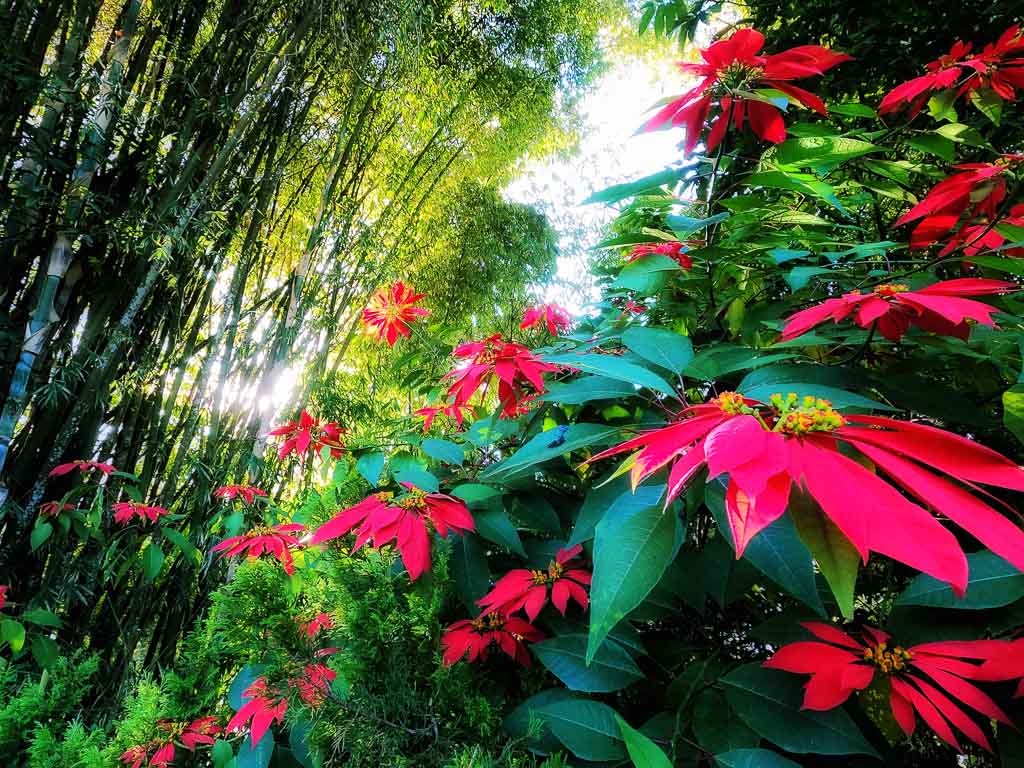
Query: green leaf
point(221, 753)
point(517, 722)
point(852, 109)
point(776, 551)
point(611, 498)
point(475, 494)
point(418, 477)
point(940, 106)
point(618, 192)
point(632, 548)
point(992, 583)
point(469, 570)
point(298, 742)
point(370, 465)
point(643, 752)
point(40, 534)
point(840, 398)
point(933, 144)
point(682, 226)
point(962, 134)
point(544, 447)
point(152, 561)
point(587, 728)
point(770, 701)
point(493, 524)
point(614, 368)
point(12, 633)
point(42, 618)
point(782, 255)
point(444, 451)
point(820, 150)
point(717, 727)
point(660, 346)
point(45, 651)
point(798, 277)
point(837, 558)
point(586, 389)
point(1013, 410)
point(753, 758)
point(713, 362)
point(246, 676)
point(187, 547)
point(611, 668)
point(258, 755)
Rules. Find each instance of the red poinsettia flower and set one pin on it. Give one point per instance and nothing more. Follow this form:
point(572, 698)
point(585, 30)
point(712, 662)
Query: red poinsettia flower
point(674, 249)
point(1006, 663)
point(528, 589)
point(514, 366)
point(189, 735)
point(124, 511)
point(927, 679)
point(53, 508)
point(994, 69)
point(555, 317)
point(765, 449)
point(475, 636)
point(133, 757)
point(632, 308)
point(732, 68)
point(314, 684)
point(84, 465)
point(391, 310)
point(404, 521)
point(3, 595)
point(940, 308)
point(317, 624)
point(307, 435)
point(276, 540)
point(248, 493)
point(979, 235)
point(260, 709)
point(451, 410)
point(977, 192)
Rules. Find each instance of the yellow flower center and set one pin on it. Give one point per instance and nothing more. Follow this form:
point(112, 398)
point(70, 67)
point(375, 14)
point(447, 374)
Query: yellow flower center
point(888, 661)
point(731, 403)
point(890, 289)
point(489, 623)
point(798, 416)
point(739, 76)
point(415, 499)
point(550, 576)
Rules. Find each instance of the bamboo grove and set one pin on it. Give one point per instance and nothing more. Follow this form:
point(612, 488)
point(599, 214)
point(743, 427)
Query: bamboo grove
point(197, 198)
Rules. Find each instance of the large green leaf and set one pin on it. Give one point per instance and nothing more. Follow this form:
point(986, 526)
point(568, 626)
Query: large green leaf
point(611, 668)
point(42, 618)
point(152, 561)
point(370, 465)
point(492, 522)
point(837, 558)
point(992, 583)
point(717, 727)
point(186, 547)
point(255, 755)
point(246, 676)
point(643, 752)
point(298, 742)
point(545, 446)
point(469, 570)
point(587, 728)
point(612, 496)
point(647, 275)
point(12, 633)
point(40, 533)
point(618, 192)
point(753, 758)
point(770, 702)
point(660, 346)
point(685, 225)
point(517, 722)
point(614, 368)
point(776, 551)
point(222, 753)
point(632, 548)
point(710, 363)
point(444, 451)
point(1013, 410)
point(475, 494)
point(587, 388)
point(822, 150)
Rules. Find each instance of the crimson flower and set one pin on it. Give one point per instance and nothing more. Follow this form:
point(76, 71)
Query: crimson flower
point(307, 435)
point(403, 521)
point(318, 623)
point(451, 410)
point(732, 68)
point(528, 589)
point(391, 310)
point(927, 679)
point(276, 540)
point(260, 709)
point(765, 449)
point(53, 508)
point(977, 191)
point(514, 365)
point(189, 735)
point(1006, 663)
point(124, 511)
point(632, 308)
point(940, 308)
point(555, 317)
point(134, 756)
point(979, 235)
point(474, 636)
point(247, 492)
point(3, 595)
point(84, 465)
point(990, 69)
point(314, 686)
point(674, 249)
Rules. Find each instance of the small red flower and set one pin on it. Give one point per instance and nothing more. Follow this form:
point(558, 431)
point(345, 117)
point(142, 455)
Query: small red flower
point(260, 709)
point(307, 435)
point(940, 308)
point(391, 310)
point(927, 678)
point(247, 492)
point(84, 466)
point(632, 308)
point(3, 595)
point(201, 731)
point(990, 69)
point(317, 624)
point(474, 636)
point(451, 410)
point(528, 589)
point(133, 757)
point(189, 735)
point(124, 511)
point(276, 540)
point(403, 521)
point(674, 249)
point(315, 685)
point(978, 235)
point(515, 367)
point(765, 449)
point(53, 508)
point(731, 70)
point(555, 317)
